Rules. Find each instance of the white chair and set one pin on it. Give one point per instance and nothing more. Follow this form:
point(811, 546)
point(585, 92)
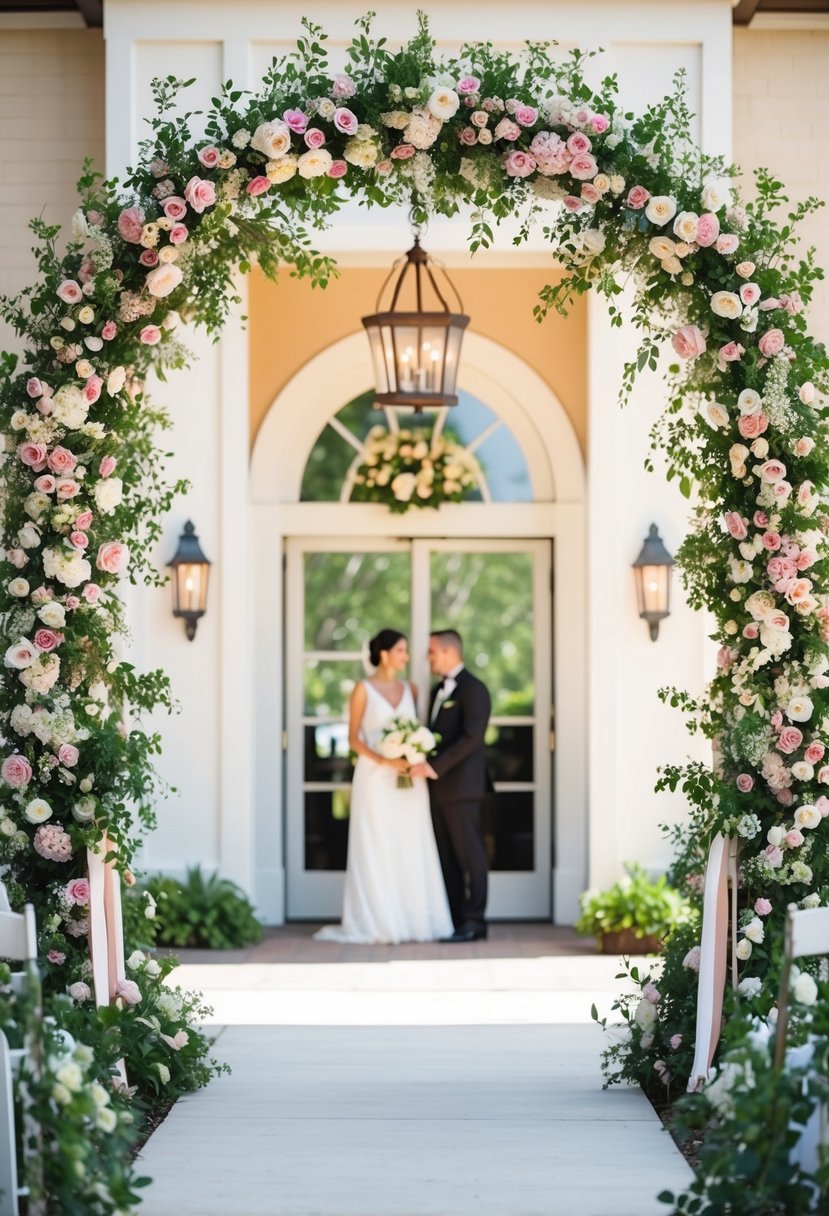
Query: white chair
point(18, 942)
point(807, 932)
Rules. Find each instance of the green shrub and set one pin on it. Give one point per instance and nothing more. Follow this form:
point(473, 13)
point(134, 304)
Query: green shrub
point(209, 912)
point(648, 908)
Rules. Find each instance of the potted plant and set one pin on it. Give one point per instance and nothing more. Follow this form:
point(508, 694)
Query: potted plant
point(635, 915)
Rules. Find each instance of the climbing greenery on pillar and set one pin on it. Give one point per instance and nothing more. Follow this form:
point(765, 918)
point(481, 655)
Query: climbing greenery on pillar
point(621, 199)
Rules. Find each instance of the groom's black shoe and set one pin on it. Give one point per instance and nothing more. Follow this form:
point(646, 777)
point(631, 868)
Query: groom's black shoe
point(467, 933)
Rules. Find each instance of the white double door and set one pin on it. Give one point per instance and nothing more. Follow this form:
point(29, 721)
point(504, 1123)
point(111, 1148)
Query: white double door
point(497, 594)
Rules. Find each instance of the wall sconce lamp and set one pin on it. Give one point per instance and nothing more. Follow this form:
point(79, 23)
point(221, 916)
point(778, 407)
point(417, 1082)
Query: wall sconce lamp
point(652, 569)
point(191, 573)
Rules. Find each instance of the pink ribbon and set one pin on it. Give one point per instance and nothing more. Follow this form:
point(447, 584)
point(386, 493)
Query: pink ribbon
point(721, 868)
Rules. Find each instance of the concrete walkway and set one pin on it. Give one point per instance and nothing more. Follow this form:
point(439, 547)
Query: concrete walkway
point(430, 1085)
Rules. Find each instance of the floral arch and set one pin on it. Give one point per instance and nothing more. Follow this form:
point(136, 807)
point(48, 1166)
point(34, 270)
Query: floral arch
point(744, 434)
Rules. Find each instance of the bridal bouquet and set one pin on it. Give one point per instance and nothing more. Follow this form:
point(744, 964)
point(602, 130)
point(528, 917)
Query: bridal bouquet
point(405, 739)
point(414, 468)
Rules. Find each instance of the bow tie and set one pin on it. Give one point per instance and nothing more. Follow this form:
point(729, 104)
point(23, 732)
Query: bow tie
point(442, 684)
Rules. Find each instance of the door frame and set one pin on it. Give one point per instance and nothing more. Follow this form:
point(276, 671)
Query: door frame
point(528, 891)
point(298, 414)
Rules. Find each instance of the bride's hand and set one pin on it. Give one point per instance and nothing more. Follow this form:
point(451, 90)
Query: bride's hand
point(400, 766)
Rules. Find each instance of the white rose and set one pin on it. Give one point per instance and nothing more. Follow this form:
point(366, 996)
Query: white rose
point(403, 486)
point(726, 304)
point(18, 587)
point(802, 771)
point(716, 194)
point(36, 504)
point(115, 380)
point(750, 987)
point(750, 402)
point(137, 959)
point(314, 163)
point(272, 139)
point(422, 130)
point(660, 209)
point(685, 226)
point(715, 414)
point(21, 655)
point(84, 809)
point(52, 614)
point(164, 279)
point(645, 1015)
point(755, 931)
point(443, 104)
point(69, 407)
point(805, 989)
point(70, 1075)
point(29, 536)
point(38, 811)
point(806, 816)
point(744, 949)
point(108, 493)
point(106, 1119)
point(326, 108)
point(799, 709)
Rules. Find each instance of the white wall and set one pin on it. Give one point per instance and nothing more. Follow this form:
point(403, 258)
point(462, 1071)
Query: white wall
point(208, 749)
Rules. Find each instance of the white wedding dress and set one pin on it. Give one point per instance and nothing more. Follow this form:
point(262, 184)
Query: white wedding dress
point(394, 888)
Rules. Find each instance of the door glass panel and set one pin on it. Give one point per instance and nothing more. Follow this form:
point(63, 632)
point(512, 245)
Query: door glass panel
point(509, 830)
point(509, 752)
point(328, 685)
point(488, 598)
point(327, 756)
point(351, 596)
point(326, 828)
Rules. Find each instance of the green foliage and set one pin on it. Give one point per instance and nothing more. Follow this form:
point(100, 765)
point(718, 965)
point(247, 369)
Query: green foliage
point(649, 908)
point(208, 912)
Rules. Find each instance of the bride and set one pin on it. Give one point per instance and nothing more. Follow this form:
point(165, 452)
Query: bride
point(394, 888)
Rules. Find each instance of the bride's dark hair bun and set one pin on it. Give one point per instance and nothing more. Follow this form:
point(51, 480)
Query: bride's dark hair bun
point(384, 640)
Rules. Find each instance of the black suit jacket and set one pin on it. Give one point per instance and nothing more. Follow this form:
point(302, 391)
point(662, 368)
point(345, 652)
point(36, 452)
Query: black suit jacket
point(460, 759)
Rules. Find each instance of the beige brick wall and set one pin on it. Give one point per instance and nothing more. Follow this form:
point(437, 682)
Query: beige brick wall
point(51, 117)
point(781, 122)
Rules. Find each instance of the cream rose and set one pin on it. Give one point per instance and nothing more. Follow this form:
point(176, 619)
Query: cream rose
point(279, 171)
point(660, 209)
point(164, 279)
point(443, 104)
point(108, 494)
point(685, 226)
point(726, 304)
point(272, 139)
point(18, 587)
point(662, 247)
point(53, 615)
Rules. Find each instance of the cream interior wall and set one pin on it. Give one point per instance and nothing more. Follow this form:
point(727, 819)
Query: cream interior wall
point(52, 110)
point(290, 323)
point(781, 116)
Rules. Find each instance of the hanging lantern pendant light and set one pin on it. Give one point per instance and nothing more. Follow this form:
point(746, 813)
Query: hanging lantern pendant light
point(416, 353)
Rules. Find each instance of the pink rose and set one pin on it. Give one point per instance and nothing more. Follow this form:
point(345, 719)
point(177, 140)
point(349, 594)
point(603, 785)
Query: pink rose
point(519, 164)
point(771, 541)
point(745, 783)
point(33, 454)
point(599, 123)
point(803, 446)
point(789, 740)
point(749, 294)
point(77, 891)
point(46, 484)
point(572, 203)
point(527, 116)
point(150, 335)
point(343, 88)
point(727, 243)
point(47, 639)
point(57, 957)
point(112, 557)
point(84, 520)
point(822, 806)
point(479, 118)
point(732, 352)
point(383, 167)
point(129, 991)
point(258, 185)
point(814, 752)
point(41, 595)
point(174, 208)
point(468, 84)
point(109, 331)
point(589, 193)
point(772, 471)
point(61, 460)
point(773, 856)
point(806, 559)
point(18, 558)
point(771, 342)
point(468, 136)
point(806, 392)
point(507, 129)
point(107, 466)
point(651, 993)
point(178, 234)
point(78, 540)
point(751, 631)
point(339, 168)
point(148, 257)
point(91, 593)
point(725, 657)
point(769, 304)
point(760, 519)
point(33, 387)
point(637, 197)
point(777, 719)
point(794, 838)
point(92, 389)
point(79, 991)
point(314, 137)
point(296, 120)
point(578, 144)
point(200, 193)
point(67, 488)
point(401, 152)
point(762, 906)
point(583, 167)
point(736, 525)
point(131, 224)
point(345, 121)
point(751, 426)
point(708, 229)
point(16, 771)
point(209, 156)
point(689, 342)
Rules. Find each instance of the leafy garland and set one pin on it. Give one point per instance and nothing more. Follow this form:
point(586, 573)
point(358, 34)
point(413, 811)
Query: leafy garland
point(413, 468)
point(744, 431)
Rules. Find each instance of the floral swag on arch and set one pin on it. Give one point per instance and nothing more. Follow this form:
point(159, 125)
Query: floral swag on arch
point(744, 434)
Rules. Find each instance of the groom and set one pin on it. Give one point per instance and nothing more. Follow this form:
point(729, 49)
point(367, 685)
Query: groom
point(459, 783)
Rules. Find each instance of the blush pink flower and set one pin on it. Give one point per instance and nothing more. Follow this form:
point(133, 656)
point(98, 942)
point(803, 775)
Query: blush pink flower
point(507, 129)
point(345, 120)
point(16, 771)
point(46, 484)
point(637, 197)
point(589, 193)
point(751, 426)
point(47, 640)
point(708, 229)
point(689, 342)
point(148, 257)
point(84, 520)
point(726, 243)
point(676, 1042)
point(200, 193)
point(91, 593)
point(33, 454)
point(57, 957)
point(583, 168)
point(773, 856)
point(178, 234)
point(91, 391)
point(814, 752)
point(794, 838)
point(296, 120)
point(526, 116)
point(61, 460)
point(732, 352)
point(401, 152)
point(77, 891)
point(749, 294)
point(572, 203)
point(131, 224)
point(314, 137)
point(519, 164)
point(174, 208)
point(467, 85)
point(150, 335)
point(52, 842)
point(107, 466)
point(771, 342)
point(339, 168)
point(209, 156)
point(67, 488)
point(34, 387)
point(258, 185)
point(129, 992)
point(736, 525)
point(109, 331)
point(762, 906)
point(78, 540)
point(789, 740)
point(578, 143)
point(745, 783)
point(343, 87)
point(599, 123)
point(468, 136)
point(112, 557)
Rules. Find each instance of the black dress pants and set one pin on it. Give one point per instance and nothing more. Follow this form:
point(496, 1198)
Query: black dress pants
point(459, 832)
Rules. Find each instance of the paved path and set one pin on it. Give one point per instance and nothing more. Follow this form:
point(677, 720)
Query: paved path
point(433, 1085)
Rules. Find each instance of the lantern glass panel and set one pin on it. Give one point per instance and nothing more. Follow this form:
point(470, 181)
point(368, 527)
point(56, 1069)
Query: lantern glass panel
point(406, 348)
point(654, 590)
point(378, 357)
point(191, 587)
point(454, 337)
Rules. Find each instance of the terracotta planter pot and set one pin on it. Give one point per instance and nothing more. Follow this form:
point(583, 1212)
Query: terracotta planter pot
point(626, 942)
